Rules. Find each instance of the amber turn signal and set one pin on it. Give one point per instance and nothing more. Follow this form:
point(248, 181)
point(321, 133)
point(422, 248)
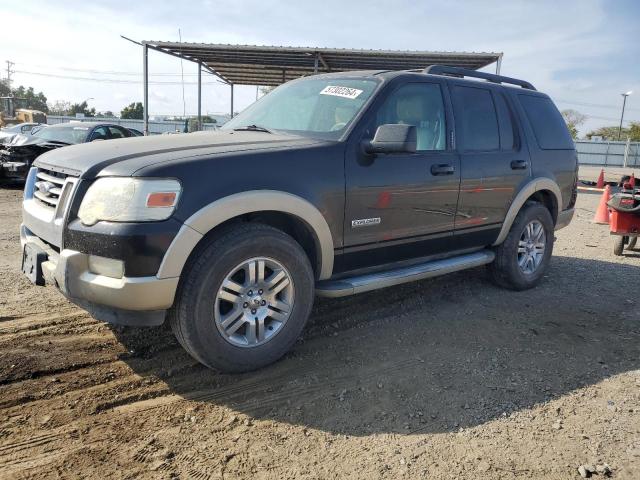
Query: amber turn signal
point(161, 199)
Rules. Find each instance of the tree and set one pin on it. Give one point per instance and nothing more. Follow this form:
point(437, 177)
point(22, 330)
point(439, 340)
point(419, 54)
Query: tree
point(5, 91)
point(634, 131)
point(59, 107)
point(107, 114)
point(133, 111)
point(611, 133)
point(81, 108)
point(266, 89)
point(573, 119)
point(36, 101)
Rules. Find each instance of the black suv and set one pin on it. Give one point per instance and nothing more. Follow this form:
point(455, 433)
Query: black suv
point(332, 185)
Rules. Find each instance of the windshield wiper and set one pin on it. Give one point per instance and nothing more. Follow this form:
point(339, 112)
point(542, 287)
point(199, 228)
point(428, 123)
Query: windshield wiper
point(252, 128)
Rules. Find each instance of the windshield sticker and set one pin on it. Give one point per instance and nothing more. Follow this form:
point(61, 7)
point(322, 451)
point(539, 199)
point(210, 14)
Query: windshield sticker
point(344, 92)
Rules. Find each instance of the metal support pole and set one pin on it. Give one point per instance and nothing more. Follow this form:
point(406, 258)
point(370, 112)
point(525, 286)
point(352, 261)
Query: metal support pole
point(626, 152)
point(145, 94)
point(199, 96)
point(498, 64)
point(624, 102)
point(231, 84)
point(315, 63)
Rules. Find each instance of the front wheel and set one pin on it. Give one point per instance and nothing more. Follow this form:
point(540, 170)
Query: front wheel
point(522, 258)
point(244, 299)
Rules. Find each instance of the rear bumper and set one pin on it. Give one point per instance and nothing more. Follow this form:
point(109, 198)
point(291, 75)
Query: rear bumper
point(564, 218)
point(128, 300)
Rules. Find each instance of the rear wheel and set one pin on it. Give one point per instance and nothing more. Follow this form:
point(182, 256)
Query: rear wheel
point(245, 299)
point(522, 258)
point(632, 243)
point(619, 242)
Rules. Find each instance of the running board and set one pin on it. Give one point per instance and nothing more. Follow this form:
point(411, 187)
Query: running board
point(364, 283)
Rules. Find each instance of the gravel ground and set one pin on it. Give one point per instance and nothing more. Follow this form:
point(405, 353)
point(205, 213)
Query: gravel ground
point(439, 379)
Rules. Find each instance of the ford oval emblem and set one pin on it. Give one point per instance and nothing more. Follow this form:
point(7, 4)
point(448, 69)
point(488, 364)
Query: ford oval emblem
point(44, 187)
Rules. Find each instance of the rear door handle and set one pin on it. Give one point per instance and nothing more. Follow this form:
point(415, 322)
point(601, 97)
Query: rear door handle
point(518, 164)
point(442, 169)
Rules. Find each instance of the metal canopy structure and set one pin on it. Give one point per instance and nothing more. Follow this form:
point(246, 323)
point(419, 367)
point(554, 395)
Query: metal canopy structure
point(273, 65)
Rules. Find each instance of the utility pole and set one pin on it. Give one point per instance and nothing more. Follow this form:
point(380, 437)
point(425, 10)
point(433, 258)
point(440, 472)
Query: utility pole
point(10, 64)
point(624, 102)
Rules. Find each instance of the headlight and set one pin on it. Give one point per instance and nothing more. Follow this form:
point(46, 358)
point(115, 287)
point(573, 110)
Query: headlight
point(119, 199)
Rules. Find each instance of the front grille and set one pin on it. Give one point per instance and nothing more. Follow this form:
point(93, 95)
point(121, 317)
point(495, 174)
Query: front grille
point(48, 188)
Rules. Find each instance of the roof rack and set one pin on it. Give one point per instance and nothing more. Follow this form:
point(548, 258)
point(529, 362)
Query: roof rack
point(465, 72)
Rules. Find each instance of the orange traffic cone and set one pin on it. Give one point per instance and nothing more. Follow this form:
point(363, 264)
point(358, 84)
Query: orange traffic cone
point(602, 213)
point(600, 183)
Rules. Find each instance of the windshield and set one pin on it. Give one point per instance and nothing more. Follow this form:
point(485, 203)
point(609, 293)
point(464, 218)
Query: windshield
point(320, 107)
point(68, 134)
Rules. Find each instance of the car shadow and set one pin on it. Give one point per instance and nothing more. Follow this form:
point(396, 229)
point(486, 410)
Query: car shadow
point(430, 356)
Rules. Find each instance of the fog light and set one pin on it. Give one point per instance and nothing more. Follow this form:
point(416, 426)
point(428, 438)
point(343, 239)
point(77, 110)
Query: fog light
point(109, 267)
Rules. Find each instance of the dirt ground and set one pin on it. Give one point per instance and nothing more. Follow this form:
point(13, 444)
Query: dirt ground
point(444, 378)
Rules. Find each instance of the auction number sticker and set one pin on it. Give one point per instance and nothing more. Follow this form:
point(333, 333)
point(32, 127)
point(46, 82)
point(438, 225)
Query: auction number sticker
point(344, 92)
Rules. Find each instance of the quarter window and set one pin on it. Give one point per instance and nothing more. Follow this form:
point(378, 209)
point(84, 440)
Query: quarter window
point(547, 122)
point(477, 117)
point(421, 105)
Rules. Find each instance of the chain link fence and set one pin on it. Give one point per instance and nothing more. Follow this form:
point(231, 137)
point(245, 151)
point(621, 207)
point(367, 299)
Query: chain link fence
point(616, 154)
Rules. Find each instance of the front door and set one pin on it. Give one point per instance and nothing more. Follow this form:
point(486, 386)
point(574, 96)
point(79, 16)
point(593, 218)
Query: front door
point(401, 206)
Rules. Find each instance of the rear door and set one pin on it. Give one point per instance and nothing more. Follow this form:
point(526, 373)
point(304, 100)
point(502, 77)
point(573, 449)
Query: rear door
point(494, 161)
point(400, 206)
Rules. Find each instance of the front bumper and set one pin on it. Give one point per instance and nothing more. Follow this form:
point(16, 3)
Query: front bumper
point(13, 170)
point(564, 218)
point(140, 301)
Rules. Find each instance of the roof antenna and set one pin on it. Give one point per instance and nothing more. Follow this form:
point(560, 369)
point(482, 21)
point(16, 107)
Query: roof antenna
point(184, 107)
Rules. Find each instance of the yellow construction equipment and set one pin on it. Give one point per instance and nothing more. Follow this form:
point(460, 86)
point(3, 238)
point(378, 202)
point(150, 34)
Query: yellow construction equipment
point(13, 110)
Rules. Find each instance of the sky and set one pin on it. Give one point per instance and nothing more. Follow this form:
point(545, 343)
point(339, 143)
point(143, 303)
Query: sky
point(583, 53)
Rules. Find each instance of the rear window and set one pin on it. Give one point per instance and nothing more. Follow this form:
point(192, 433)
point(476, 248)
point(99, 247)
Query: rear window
point(475, 109)
point(547, 123)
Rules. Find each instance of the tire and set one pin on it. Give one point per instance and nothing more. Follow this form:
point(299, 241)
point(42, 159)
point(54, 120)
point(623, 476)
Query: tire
point(205, 317)
point(618, 244)
point(506, 270)
point(632, 243)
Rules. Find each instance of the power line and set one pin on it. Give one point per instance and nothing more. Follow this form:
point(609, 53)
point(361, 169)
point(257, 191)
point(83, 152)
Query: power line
point(105, 72)
point(595, 105)
point(113, 80)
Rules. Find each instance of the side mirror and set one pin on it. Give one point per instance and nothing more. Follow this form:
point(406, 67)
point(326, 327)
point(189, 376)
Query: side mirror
point(393, 138)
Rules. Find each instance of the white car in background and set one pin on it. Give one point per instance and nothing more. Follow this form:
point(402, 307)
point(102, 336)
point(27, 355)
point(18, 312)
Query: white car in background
point(7, 133)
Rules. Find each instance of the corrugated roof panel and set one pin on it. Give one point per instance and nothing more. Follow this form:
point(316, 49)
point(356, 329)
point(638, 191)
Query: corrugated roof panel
point(272, 65)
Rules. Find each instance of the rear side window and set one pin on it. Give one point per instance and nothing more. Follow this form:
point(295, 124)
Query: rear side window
point(477, 115)
point(547, 123)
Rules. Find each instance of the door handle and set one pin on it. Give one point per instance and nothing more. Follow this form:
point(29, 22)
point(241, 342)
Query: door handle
point(519, 164)
point(442, 169)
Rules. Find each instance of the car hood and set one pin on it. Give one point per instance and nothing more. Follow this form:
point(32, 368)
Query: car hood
point(123, 157)
point(25, 143)
point(5, 137)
